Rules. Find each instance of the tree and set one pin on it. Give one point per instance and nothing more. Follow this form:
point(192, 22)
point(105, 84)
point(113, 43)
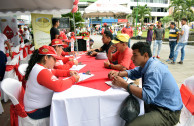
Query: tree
point(182, 8)
point(143, 12)
point(78, 18)
point(166, 19)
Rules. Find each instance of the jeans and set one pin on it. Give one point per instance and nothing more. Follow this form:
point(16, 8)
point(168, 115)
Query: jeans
point(129, 43)
point(149, 42)
point(180, 46)
point(159, 44)
point(172, 45)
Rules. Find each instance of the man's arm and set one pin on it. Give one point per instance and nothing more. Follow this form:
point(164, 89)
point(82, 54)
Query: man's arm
point(9, 48)
point(154, 38)
point(163, 35)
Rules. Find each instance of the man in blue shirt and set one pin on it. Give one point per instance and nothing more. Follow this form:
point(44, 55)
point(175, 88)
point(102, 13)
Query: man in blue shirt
point(159, 91)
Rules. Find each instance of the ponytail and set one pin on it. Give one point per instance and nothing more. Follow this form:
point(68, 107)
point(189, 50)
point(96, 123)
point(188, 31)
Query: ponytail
point(35, 58)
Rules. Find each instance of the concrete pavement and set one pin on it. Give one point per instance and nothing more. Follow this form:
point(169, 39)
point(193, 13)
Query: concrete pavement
point(179, 71)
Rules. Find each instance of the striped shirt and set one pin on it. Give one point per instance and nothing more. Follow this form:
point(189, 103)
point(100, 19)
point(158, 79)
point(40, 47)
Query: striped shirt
point(173, 34)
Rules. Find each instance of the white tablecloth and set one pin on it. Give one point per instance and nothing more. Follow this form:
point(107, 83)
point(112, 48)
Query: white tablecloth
point(82, 106)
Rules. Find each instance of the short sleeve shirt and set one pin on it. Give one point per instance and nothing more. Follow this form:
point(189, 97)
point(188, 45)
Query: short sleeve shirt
point(54, 31)
point(159, 33)
point(3, 38)
point(185, 36)
point(123, 58)
point(106, 47)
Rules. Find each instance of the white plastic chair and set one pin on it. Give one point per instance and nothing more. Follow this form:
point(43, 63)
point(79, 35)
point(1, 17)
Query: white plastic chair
point(12, 88)
point(22, 69)
point(186, 118)
point(1, 107)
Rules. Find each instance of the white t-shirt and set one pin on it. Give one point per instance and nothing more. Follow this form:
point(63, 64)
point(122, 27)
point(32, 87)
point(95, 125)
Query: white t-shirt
point(185, 36)
point(27, 35)
point(3, 38)
point(139, 33)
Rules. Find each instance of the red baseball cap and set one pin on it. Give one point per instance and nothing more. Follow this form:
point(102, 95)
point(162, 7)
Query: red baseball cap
point(63, 37)
point(48, 50)
point(105, 24)
point(56, 42)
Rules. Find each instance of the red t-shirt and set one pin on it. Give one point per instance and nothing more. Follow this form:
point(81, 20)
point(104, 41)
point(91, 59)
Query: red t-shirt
point(123, 58)
point(128, 31)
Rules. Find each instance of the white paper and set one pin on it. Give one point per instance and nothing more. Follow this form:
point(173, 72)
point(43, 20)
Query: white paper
point(84, 76)
point(78, 67)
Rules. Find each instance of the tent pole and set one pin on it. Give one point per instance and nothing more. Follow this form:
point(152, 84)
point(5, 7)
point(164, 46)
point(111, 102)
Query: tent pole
point(75, 33)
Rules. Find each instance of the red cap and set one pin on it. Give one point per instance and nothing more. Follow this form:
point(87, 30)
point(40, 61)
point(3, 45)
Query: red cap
point(48, 50)
point(63, 37)
point(56, 42)
point(105, 24)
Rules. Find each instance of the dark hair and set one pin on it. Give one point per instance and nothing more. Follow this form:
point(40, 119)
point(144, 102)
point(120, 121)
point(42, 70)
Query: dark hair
point(159, 21)
point(172, 23)
point(108, 34)
point(55, 20)
point(143, 47)
point(151, 25)
point(184, 19)
point(35, 58)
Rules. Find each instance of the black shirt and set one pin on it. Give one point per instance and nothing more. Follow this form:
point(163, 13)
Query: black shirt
point(106, 47)
point(54, 31)
point(3, 60)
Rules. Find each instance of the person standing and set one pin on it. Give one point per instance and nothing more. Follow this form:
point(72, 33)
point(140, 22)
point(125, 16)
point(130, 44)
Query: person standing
point(128, 30)
point(3, 41)
point(184, 35)
point(26, 34)
point(173, 38)
point(150, 34)
point(139, 34)
point(54, 32)
point(159, 34)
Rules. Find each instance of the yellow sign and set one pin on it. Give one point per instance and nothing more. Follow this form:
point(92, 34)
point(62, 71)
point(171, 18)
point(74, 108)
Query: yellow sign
point(41, 25)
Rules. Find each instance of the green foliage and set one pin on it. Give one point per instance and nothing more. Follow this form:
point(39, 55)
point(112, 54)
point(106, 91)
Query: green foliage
point(166, 19)
point(78, 18)
point(143, 12)
point(182, 8)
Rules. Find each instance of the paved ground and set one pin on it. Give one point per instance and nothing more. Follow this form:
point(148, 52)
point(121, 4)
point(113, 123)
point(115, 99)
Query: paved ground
point(180, 72)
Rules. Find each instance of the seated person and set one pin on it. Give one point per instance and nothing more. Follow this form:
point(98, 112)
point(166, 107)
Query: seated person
point(160, 92)
point(121, 59)
point(65, 63)
point(42, 81)
point(106, 39)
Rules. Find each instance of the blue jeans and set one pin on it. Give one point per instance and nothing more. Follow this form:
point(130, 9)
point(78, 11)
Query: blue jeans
point(172, 45)
point(149, 42)
point(129, 43)
point(159, 44)
point(180, 46)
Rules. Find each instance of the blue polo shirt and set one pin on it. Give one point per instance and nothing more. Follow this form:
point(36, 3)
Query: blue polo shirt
point(158, 85)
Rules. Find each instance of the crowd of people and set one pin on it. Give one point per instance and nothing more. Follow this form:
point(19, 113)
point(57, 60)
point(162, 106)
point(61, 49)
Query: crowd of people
point(159, 91)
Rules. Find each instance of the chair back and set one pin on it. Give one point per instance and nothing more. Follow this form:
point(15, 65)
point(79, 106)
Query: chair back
point(12, 88)
point(22, 69)
point(189, 83)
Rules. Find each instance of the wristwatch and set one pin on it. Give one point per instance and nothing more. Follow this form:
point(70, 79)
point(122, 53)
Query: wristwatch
point(128, 88)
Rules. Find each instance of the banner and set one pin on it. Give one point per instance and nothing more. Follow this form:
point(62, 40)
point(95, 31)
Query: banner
point(41, 25)
point(8, 26)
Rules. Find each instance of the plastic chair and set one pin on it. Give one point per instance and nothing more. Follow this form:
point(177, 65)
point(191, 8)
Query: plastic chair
point(13, 89)
point(187, 94)
point(22, 69)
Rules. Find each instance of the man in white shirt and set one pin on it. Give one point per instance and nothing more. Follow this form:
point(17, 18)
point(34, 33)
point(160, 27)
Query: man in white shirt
point(26, 34)
point(184, 35)
point(3, 41)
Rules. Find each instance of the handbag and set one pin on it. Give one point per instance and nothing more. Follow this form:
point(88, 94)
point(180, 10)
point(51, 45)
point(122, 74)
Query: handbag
point(130, 108)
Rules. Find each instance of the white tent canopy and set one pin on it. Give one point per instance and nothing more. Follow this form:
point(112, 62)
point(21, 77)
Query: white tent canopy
point(105, 9)
point(18, 7)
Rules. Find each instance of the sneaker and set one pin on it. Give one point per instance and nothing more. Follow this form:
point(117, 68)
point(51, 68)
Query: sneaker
point(158, 57)
point(172, 62)
point(181, 62)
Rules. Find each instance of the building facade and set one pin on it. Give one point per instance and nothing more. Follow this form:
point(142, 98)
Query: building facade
point(159, 8)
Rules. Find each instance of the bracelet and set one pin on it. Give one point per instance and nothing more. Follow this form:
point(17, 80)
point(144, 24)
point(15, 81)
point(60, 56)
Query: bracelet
point(110, 66)
point(128, 88)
